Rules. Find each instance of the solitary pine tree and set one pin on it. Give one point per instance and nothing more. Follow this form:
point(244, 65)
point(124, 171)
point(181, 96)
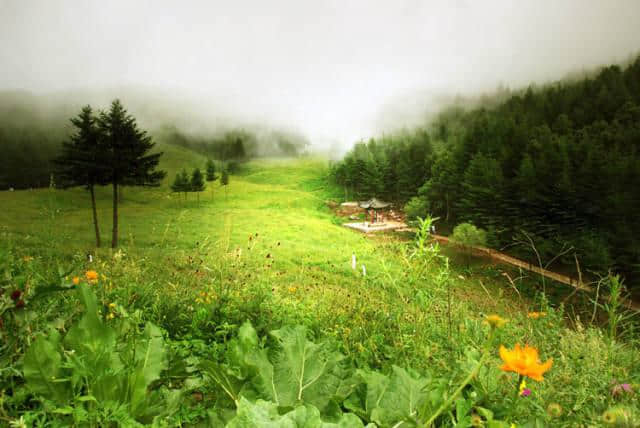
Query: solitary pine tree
point(181, 183)
point(127, 159)
point(197, 183)
point(224, 180)
point(79, 164)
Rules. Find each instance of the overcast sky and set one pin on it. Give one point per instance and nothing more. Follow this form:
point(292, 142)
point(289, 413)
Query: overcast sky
point(326, 68)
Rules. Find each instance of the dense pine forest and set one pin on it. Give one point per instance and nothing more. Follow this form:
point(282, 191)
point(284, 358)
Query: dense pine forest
point(559, 164)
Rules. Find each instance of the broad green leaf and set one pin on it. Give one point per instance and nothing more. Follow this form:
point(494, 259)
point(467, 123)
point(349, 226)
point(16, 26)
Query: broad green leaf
point(94, 355)
point(90, 336)
point(263, 414)
point(389, 401)
point(150, 361)
point(43, 366)
point(296, 371)
point(304, 372)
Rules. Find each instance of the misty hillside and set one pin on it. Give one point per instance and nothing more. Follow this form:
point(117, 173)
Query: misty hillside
point(560, 164)
point(33, 127)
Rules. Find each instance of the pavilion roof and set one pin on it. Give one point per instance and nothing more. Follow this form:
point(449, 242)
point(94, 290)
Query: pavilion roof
point(374, 203)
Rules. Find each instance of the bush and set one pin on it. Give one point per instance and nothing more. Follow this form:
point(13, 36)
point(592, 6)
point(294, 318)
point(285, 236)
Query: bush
point(416, 207)
point(468, 235)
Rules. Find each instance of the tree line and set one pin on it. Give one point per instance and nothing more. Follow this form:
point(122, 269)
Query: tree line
point(107, 149)
point(185, 183)
point(559, 162)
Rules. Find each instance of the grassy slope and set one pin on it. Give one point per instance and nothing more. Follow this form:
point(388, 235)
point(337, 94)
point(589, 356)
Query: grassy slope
point(300, 255)
point(281, 200)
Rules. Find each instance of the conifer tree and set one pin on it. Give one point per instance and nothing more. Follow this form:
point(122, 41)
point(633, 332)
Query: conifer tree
point(79, 164)
point(181, 183)
point(127, 160)
point(224, 180)
point(211, 170)
point(197, 183)
point(211, 173)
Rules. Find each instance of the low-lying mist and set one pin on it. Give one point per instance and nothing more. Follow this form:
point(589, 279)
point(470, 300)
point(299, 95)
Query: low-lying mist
point(33, 127)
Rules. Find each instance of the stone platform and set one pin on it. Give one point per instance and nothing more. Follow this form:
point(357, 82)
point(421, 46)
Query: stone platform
point(367, 227)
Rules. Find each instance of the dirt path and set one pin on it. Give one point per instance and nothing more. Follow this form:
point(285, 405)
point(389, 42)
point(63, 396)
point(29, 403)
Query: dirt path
point(501, 257)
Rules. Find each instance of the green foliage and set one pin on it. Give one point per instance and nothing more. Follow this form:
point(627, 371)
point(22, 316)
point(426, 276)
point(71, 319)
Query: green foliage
point(197, 182)
point(210, 169)
point(391, 168)
point(181, 182)
point(224, 178)
point(416, 207)
point(263, 414)
point(296, 371)
point(413, 320)
point(79, 164)
point(560, 162)
point(98, 368)
point(468, 235)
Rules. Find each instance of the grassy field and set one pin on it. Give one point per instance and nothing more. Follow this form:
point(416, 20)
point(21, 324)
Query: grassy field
point(269, 250)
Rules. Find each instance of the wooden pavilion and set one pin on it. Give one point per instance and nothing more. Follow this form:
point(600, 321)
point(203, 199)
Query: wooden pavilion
point(373, 207)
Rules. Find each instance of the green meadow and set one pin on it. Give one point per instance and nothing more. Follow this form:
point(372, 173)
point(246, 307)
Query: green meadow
point(262, 255)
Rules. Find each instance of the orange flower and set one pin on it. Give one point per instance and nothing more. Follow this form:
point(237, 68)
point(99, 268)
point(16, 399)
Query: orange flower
point(524, 361)
point(536, 315)
point(91, 275)
point(75, 280)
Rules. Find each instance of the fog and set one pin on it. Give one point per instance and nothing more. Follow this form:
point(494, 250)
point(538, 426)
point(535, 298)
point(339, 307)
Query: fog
point(335, 71)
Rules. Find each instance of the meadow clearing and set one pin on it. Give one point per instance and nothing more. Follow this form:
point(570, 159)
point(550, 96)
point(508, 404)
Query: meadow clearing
point(268, 250)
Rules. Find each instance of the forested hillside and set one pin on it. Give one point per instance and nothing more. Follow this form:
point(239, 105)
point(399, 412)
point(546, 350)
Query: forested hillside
point(561, 162)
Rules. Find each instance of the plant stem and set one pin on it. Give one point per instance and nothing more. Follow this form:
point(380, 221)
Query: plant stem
point(465, 382)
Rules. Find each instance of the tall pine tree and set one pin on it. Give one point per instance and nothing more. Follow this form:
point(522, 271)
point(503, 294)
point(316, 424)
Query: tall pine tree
point(127, 158)
point(79, 164)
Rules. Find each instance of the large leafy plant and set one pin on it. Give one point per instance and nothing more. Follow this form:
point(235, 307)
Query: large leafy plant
point(288, 380)
point(100, 373)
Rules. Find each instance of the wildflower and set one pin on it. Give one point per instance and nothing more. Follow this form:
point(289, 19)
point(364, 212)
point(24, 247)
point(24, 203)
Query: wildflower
point(293, 289)
point(16, 295)
point(112, 305)
point(75, 280)
point(110, 316)
point(20, 304)
point(620, 389)
point(524, 361)
point(92, 276)
point(495, 321)
point(554, 410)
point(523, 386)
point(536, 315)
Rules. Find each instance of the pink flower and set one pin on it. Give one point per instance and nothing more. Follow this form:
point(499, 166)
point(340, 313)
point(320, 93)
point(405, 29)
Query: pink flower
point(621, 388)
point(526, 392)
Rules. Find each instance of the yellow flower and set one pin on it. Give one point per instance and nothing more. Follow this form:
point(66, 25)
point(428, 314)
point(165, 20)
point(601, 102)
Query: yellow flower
point(110, 316)
point(536, 315)
point(524, 361)
point(91, 275)
point(112, 305)
point(495, 321)
point(75, 280)
point(523, 386)
point(293, 289)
